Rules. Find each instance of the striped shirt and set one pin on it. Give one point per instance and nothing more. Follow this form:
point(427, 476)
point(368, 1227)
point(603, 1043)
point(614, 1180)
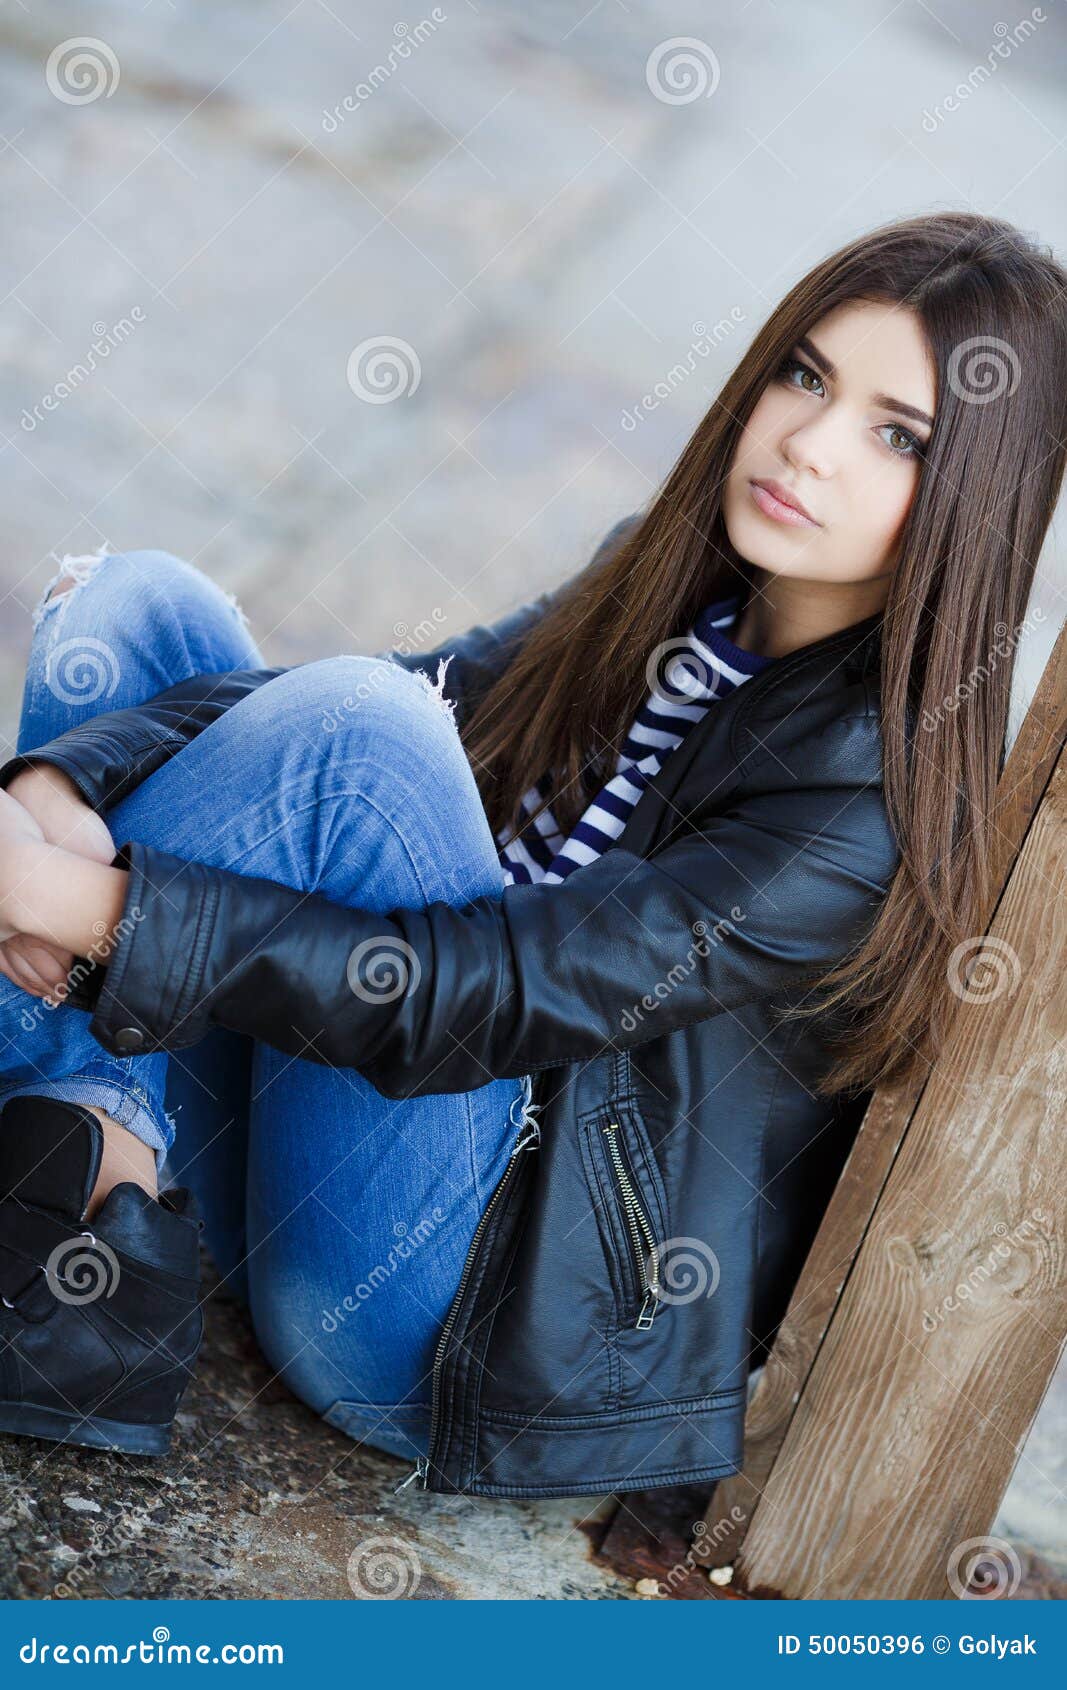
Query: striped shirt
point(692, 672)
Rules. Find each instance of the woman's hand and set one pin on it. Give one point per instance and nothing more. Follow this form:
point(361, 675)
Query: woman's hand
point(61, 812)
point(67, 902)
point(58, 815)
point(17, 829)
point(30, 963)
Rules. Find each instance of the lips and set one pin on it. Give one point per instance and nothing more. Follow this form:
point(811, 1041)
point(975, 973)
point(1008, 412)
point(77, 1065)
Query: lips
point(779, 502)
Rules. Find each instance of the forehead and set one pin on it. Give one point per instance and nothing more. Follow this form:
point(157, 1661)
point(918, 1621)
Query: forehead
point(878, 347)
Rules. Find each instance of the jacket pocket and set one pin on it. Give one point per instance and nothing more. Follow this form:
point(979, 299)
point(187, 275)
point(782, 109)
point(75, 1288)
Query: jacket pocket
point(631, 1209)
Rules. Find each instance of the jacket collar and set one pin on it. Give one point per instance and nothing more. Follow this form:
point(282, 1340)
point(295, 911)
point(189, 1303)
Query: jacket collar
point(836, 657)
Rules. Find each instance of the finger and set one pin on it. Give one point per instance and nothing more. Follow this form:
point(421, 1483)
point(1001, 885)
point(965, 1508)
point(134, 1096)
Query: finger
point(6, 971)
point(49, 946)
point(49, 962)
point(22, 975)
point(87, 835)
point(30, 977)
point(44, 958)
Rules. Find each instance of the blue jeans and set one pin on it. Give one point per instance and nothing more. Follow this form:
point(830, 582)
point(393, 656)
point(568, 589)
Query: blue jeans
point(340, 1217)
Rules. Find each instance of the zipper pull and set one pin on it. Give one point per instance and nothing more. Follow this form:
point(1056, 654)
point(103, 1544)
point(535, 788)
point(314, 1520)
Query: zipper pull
point(419, 1471)
point(648, 1312)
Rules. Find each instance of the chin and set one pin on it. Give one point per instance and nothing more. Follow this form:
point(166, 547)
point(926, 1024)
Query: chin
point(750, 540)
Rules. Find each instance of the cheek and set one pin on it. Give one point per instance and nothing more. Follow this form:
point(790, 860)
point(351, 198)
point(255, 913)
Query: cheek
point(885, 509)
point(764, 428)
point(742, 456)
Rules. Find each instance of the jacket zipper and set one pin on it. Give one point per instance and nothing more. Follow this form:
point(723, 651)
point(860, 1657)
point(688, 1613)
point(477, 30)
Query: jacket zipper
point(642, 1237)
point(529, 1139)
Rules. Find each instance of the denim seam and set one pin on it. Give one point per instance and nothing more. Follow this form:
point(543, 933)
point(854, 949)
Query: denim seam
point(352, 792)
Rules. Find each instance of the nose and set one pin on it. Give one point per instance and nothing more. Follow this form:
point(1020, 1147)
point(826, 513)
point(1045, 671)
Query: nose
point(810, 447)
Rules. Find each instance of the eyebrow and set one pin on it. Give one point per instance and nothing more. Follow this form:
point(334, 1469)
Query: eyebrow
point(883, 399)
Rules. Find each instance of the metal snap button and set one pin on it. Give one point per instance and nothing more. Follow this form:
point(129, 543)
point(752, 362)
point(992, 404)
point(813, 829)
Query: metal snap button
point(129, 1038)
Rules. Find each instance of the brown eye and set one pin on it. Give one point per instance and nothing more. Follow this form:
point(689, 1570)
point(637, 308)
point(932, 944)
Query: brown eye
point(793, 365)
point(910, 447)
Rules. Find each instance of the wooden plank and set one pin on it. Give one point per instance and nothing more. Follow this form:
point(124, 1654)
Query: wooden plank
point(951, 1323)
point(1026, 774)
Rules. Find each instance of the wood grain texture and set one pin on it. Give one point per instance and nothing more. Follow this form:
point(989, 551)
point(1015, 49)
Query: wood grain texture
point(1025, 779)
point(951, 1323)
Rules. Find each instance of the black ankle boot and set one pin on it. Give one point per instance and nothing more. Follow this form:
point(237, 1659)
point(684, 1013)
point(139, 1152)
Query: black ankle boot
point(100, 1323)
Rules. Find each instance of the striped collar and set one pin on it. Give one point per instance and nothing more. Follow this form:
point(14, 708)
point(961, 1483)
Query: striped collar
point(709, 627)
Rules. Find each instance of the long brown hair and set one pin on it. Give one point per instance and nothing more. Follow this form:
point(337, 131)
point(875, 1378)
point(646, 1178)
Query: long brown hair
point(992, 307)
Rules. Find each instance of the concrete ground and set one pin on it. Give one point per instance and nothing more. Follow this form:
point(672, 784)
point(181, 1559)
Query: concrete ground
point(213, 223)
point(260, 1498)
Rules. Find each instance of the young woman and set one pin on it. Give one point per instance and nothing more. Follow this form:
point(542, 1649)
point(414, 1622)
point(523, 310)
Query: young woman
point(685, 844)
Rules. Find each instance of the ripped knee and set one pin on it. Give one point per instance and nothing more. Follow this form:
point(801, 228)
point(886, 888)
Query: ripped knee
point(368, 676)
point(72, 572)
point(182, 584)
point(436, 688)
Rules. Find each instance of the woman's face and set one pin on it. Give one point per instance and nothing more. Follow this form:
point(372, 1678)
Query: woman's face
point(840, 428)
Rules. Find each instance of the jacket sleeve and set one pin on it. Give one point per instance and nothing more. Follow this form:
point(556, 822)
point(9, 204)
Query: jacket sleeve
point(109, 755)
point(744, 905)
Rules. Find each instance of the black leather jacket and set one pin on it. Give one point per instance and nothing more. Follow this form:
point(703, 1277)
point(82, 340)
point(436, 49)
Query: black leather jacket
point(681, 1150)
